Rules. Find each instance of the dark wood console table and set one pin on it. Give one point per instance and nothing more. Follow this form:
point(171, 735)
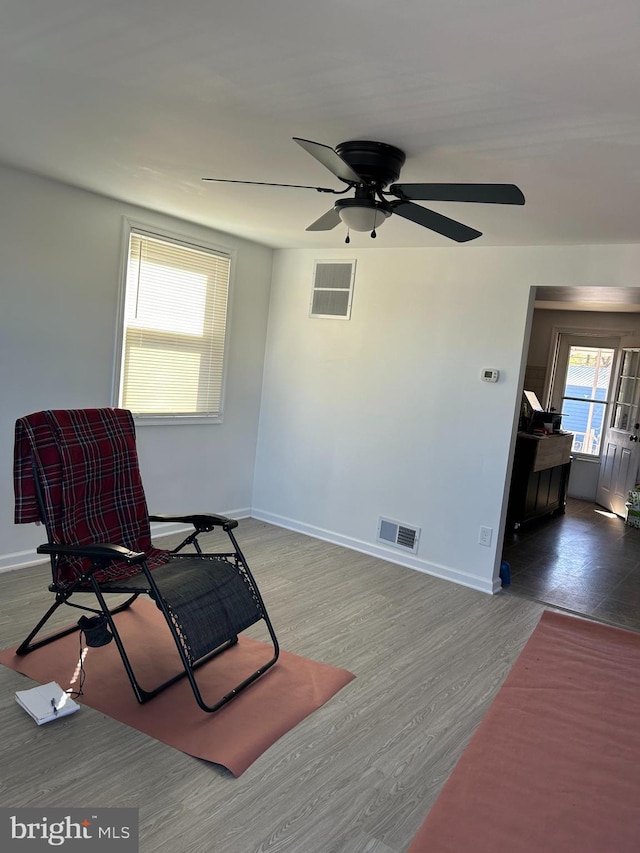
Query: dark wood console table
point(540, 476)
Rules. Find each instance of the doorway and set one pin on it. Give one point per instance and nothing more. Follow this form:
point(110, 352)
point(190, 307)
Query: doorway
point(586, 561)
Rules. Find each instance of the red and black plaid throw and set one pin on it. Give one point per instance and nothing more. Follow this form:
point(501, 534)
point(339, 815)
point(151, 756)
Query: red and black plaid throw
point(87, 465)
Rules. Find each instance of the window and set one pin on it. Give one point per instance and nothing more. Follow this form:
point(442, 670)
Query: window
point(174, 327)
point(583, 401)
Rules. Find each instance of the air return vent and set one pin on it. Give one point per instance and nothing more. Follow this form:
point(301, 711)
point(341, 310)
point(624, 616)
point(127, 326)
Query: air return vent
point(399, 535)
point(332, 289)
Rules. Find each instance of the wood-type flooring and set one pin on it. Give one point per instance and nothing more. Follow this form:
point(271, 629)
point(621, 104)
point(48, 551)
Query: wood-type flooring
point(586, 561)
point(357, 776)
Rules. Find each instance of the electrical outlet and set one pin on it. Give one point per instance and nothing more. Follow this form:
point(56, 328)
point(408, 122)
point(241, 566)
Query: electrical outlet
point(485, 536)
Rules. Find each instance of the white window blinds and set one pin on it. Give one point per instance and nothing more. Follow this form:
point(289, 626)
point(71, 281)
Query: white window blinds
point(175, 318)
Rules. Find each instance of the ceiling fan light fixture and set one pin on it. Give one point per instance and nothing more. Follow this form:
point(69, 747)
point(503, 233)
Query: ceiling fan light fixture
point(367, 167)
point(362, 214)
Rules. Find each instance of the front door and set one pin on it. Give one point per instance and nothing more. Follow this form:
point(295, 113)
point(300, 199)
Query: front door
point(621, 444)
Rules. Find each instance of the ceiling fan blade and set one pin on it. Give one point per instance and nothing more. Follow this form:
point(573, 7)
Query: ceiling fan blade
point(435, 221)
point(269, 184)
point(326, 222)
point(331, 160)
point(485, 193)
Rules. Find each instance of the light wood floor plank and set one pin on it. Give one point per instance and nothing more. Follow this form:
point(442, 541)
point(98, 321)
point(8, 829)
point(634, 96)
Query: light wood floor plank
point(357, 776)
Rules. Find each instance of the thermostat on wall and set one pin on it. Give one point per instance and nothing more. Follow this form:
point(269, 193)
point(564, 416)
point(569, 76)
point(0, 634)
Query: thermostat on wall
point(490, 374)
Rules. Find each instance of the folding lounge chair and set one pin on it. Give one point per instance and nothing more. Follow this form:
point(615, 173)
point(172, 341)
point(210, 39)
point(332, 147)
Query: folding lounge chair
point(77, 472)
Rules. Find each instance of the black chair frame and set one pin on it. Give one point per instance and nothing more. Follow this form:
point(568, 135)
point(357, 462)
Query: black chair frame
point(101, 554)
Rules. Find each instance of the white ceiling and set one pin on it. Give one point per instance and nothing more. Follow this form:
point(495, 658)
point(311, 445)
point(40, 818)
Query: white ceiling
point(140, 99)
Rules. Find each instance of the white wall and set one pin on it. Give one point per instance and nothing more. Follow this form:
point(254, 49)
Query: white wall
point(60, 251)
point(386, 414)
point(381, 415)
point(545, 321)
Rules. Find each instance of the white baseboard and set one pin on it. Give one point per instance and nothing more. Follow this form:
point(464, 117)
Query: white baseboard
point(24, 559)
point(20, 560)
point(376, 550)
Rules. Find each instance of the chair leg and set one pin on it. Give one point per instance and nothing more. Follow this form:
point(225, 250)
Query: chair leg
point(142, 695)
point(239, 556)
point(265, 615)
point(189, 669)
point(62, 598)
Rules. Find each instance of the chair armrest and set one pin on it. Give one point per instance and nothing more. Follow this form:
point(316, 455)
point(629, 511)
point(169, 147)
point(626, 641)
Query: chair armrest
point(98, 551)
point(203, 523)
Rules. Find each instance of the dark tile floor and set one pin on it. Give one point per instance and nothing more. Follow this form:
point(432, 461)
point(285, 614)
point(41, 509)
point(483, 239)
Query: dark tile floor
point(586, 561)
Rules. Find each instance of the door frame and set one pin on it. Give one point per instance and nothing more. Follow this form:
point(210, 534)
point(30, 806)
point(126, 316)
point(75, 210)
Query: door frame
point(557, 333)
point(618, 435)
point(536, 293)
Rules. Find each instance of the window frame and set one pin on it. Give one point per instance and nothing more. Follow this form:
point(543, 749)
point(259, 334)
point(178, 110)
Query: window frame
point(130, 226)
point(562, 342)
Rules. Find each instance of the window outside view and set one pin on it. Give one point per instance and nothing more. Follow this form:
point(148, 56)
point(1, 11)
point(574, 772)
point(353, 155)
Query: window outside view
point(584, 400)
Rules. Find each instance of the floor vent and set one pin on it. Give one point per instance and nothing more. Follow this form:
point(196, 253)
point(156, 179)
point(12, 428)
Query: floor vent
point(399, 535)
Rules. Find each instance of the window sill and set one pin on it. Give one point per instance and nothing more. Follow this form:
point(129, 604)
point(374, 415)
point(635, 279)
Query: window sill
point(585, 457)
point(175, 420)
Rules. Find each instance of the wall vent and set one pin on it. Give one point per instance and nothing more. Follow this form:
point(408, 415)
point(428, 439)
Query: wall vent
point(332, 290)
point(399, 535)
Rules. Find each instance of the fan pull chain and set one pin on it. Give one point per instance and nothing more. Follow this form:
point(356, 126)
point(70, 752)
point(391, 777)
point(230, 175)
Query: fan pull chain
point(347, 238)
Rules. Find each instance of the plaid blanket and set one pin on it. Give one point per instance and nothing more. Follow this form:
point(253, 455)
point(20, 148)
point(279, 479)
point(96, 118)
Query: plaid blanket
point(91, 490)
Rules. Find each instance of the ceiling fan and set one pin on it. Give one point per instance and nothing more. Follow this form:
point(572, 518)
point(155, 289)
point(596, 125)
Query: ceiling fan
point(369, 167)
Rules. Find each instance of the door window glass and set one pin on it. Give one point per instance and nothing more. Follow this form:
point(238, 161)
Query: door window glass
point(625, 412)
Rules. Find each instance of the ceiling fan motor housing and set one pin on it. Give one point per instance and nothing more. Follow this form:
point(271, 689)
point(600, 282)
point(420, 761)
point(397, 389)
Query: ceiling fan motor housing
point(376, 162)
point(367, 167)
